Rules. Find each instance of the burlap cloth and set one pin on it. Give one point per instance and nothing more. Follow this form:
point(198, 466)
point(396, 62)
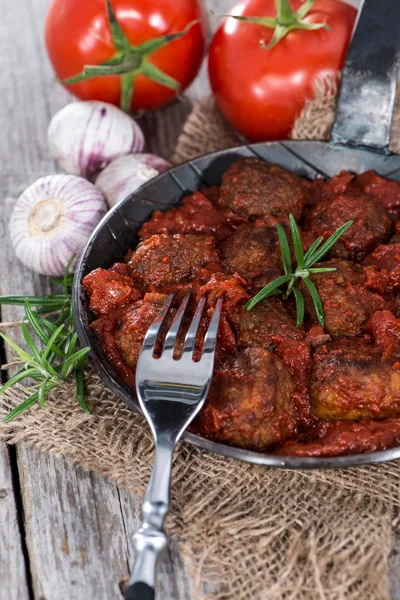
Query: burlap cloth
point(254, 533)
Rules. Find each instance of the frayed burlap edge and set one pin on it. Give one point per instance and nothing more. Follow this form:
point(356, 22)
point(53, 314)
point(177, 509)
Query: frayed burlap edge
point(248, 531)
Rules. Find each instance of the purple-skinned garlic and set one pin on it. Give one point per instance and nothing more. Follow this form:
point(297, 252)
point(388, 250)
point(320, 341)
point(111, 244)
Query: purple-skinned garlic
point(53, 219)
point(126, 173)
point(84, 137)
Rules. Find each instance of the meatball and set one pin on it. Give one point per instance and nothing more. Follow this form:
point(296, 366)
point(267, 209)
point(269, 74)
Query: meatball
point(133, 325)
point(264, 325)
point(171, 259)
point(254, 188)
point(371, 224)
point(347, 303)
point(386, 258)
point(386, 191)
point(196, 214)
point(251, 251)
point(349, 381)
point(249, 404)
point(109, 289)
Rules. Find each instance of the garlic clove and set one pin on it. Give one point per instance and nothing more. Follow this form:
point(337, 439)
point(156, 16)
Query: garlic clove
point(52, 220)
point(126, 173)
point(84, 137)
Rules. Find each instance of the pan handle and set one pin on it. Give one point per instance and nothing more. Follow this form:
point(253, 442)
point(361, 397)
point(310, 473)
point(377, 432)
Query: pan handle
point(369, 78)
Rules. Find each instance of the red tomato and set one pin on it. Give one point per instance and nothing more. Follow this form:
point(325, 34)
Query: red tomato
point(78, 33)
point(262, 91)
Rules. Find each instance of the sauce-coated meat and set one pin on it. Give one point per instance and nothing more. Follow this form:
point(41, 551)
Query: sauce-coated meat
point(168, 259)
point(349, 382)
point(301, 391)
point(249, 404)
point(265, 325)
point(196, 214)
point(371, 224)
point(347, 303)
point(109, 289)
point(252, 250)
point(254, 188)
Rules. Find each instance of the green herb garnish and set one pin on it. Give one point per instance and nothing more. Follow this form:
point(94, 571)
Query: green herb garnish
point(54, 359)
point(303, 270)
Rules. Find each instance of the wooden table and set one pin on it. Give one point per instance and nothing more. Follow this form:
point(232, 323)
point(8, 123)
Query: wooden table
point(64, 533)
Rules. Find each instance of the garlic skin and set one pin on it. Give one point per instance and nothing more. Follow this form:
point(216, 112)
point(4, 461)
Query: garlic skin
point(84, 137)
point(126, 173)
point(52, 220)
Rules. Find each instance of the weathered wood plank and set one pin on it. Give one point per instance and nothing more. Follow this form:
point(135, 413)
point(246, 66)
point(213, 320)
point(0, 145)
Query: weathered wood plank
point(12, 563)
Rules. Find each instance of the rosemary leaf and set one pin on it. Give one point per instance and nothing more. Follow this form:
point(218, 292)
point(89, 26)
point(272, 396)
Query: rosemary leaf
point(299, 298)
point(285, 250)
point(316, 300)
point(24, 356)
point(74, 358)
point(266, 291)
point(41, 393)
point(80, 390)
point(298, 246)
point(21, 407)
point(322, 270)
point(318, 254)
point(30, 343)
point(18, 377)
point(51, 343)
point(43, 302)
point(316, 244)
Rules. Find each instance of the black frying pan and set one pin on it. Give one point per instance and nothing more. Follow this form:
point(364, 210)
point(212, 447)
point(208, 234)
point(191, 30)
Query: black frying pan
point(360, 140)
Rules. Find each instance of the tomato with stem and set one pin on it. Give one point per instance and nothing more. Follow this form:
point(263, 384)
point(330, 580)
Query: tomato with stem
point(265, 58)
point(137, 54)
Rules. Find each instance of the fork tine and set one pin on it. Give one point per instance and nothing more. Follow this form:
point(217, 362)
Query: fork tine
point(152, 333)
point(191, 334)
point(170, 339)
point(211, 335)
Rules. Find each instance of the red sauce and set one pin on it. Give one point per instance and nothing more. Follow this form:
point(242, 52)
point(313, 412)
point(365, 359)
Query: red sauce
point(277, 388)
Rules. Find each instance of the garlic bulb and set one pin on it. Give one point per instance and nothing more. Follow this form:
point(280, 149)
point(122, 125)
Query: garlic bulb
point(85, 136)
point(126, 173)
point(53, 219)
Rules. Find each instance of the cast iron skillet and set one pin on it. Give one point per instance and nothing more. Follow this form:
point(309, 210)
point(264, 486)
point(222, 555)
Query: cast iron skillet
point(360, 140)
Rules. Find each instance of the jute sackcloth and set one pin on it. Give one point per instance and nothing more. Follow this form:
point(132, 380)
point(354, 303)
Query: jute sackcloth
point(254, 533)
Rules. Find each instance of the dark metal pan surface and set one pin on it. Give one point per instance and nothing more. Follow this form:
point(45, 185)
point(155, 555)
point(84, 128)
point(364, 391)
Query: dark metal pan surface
point(360, 142)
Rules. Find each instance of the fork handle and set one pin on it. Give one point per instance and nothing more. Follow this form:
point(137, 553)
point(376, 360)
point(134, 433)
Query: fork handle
point(140, 590)
point(150, 540)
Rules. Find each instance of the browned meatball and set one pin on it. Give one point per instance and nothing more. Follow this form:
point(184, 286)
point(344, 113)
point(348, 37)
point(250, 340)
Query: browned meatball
point(163, 260)
point(371, 224)
point(264, 325)
point(254, 188)
point(347, 303)
point(249, 404)
point(349, 381)
point(252, 250)
point(133, 325)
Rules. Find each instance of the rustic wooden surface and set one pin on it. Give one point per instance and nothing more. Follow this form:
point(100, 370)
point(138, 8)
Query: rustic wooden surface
point(65, 533)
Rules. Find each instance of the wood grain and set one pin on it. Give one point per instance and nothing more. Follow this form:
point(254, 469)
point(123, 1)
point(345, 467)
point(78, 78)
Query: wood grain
point(12, 564)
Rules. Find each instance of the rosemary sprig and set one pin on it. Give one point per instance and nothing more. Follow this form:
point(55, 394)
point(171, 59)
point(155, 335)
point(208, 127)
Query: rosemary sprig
point(54, 358)
point(303, 270)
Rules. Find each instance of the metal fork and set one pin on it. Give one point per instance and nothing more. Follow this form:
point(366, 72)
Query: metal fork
point(171, 392)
